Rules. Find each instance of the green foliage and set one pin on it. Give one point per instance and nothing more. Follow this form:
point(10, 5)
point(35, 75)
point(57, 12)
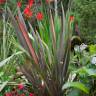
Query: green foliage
point(46, 62)
point(76, 85)
point(83, 69)
point(9, 52)
point(92, 49)
point(85, 13)
point(49, 51)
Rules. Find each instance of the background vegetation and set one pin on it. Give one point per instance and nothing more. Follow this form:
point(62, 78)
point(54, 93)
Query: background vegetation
point(85, 13)
point(78, 66)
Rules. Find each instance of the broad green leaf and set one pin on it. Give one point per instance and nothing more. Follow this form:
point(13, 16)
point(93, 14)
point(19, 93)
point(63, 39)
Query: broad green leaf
point(74, 92)
point(91, 72)
point(84, 70)
point(76, 85)
point(92, 49)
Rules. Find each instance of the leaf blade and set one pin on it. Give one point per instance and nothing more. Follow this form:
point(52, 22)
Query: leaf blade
point(76, 85)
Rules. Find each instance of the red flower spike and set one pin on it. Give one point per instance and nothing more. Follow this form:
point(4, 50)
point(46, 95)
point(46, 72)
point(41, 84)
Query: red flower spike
point(47, 1)
point(20, 86)
point(22, 94)
point(39, 16)
point(28, 12)
point(19, 4)
point(31, 94)
point(71, 18)
point(2, 1)
point(30, 3)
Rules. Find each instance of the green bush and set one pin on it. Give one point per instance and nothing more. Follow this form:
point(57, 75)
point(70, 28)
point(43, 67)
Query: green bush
point(85, 12)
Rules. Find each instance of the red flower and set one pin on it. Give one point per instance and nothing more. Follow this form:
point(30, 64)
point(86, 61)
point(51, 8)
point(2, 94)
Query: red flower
point(39, 16)
point(31, 94)
point(2, 1)
point(20, 86)
point(8, 94)
point(19, 4)
point(28, 12)
point(22, 94)
point(30, 3)
point(47, 1)
point(71, 18)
